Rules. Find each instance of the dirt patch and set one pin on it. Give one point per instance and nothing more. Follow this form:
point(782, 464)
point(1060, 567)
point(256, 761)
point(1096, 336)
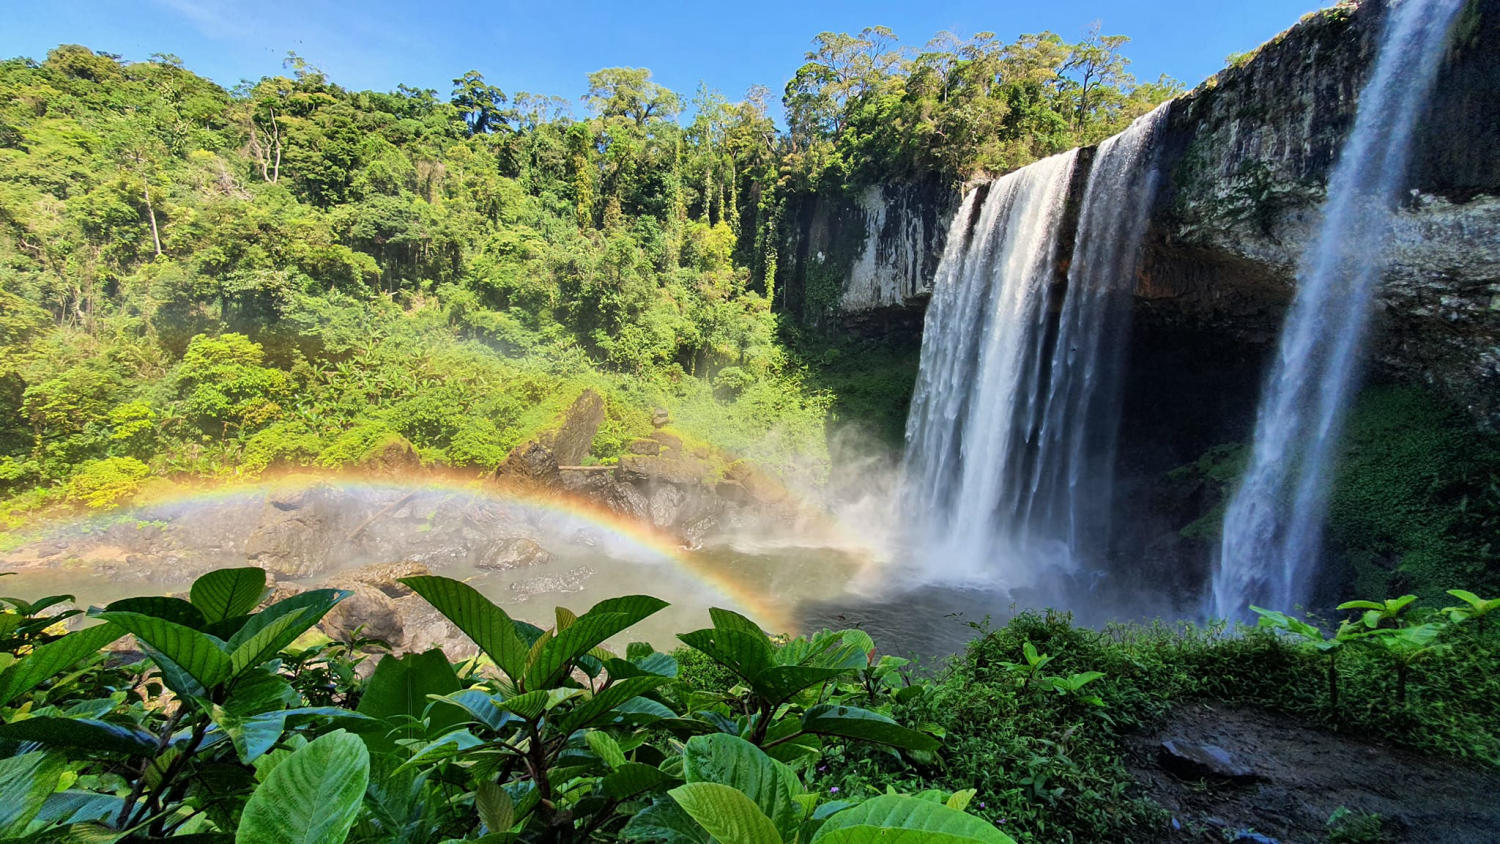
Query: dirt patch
point(1303, 775)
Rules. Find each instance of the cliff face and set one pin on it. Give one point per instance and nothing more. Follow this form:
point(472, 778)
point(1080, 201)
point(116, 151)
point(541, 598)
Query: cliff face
point(1246, 158)
point(873, 252)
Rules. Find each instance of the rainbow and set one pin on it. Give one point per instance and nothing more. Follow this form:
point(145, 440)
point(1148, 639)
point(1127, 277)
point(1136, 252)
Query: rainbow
point(740, 595)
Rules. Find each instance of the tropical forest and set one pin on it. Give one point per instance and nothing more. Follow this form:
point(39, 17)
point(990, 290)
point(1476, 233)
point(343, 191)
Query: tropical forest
point(956, 438)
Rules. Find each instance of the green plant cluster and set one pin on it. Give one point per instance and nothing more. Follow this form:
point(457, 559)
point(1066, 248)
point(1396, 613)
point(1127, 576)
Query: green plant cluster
point(223, 728)
point(549, 735)
point(1042, 717)
point(1415, 500)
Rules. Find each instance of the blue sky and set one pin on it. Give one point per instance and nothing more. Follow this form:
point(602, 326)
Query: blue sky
point(548, 48)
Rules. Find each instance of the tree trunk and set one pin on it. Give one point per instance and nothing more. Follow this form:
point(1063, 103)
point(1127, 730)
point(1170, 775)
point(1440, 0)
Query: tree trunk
point(151, 213)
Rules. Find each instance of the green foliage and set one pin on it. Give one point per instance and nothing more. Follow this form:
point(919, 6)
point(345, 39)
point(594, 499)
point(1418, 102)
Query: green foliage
point(107, 482)
point(223, 283)
point(816, 739)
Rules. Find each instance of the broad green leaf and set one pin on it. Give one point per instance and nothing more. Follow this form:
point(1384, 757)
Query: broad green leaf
point(86, 736)
point(746, 654)
point(864, 834)
point(226, 593)
point(47, 660)
point(174, 610)
point(730, 620)
point(72, 807)
point(630, 779)
point(893, 811)
point(665, 821)
point(312, 797)
point(529, 706)
point(260, 691)
point(726, 813)
point(481, 706)
point(278, 625)
point(253, 736)
point(604, 620)
point(401, 686)
point(198, 655)
point(25, 783)
point(606, 748)
point(488, 625)
point(732, 761)
point(782, 683)
point(959, 800)
point(495, 807)
point(597, 709)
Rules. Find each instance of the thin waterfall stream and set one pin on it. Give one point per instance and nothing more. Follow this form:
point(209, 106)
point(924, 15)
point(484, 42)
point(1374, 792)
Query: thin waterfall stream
point(1273, 527)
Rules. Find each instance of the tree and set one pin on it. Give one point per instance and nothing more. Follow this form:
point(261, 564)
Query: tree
point(628, 92)
point(482, 105)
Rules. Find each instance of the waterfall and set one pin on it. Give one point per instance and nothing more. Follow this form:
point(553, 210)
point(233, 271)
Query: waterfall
point(1010, 440)
point(1274, 522)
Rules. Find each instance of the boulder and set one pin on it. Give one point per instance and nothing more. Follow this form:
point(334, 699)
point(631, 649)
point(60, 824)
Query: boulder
point(383, 576)
point(571, 442)
point(530, 464)
point(1203, 761)
point(660, 418)
point(368, 610)
point(394, 456)
point(512, 554)
point(647, 447)
point(573, 581)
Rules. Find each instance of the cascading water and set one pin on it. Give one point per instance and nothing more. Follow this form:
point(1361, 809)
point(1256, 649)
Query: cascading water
point(1010, 440)
point(1274, 522)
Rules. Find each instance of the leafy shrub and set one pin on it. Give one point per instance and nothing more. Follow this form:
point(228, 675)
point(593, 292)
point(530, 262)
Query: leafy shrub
point(104, 483)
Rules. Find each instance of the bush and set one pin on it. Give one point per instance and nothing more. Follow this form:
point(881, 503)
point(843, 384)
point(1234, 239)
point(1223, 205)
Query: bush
point(104, 483)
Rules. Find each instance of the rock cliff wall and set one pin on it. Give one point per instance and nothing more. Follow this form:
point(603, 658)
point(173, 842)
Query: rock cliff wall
point(1246, 157)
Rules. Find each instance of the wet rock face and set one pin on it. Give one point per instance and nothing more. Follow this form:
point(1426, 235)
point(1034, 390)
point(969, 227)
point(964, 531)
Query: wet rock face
point(571, 442)
point(870, 250)
point(512, 553)
point(1247, 162)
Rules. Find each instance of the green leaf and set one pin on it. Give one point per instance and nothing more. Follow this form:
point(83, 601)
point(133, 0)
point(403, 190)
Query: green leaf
point(746, 654)
point(726, 813)
point(863, 834)
point(894, 811)
point(495, 807)
point(81, 734)
point(174, 610)
point(481, 706)
point(732, 761)
point(25, 782)
point(606, 748)
point(604, 620)
point(226, 593)
point(959, 800)
point(312, 797)
point(730, 620)
point(783, 682)
point(488, 625)
point(278, 625)
point(633, 778)
point(665, 821)
point(598, 708)
point(529, 706)
point(47, 660)
point(400, 686)
point(198, 655)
